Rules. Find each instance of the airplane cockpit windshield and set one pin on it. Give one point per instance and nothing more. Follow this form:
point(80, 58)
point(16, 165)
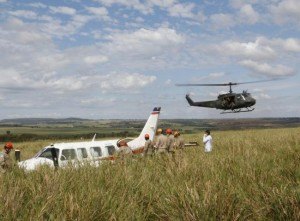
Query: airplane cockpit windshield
point(46, 153)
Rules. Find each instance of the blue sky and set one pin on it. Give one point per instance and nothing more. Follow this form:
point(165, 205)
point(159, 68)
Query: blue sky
point(120, 58)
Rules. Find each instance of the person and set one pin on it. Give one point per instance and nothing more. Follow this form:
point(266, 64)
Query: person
point(149, 147)
point(160, 142)
point(170, 141)
point(207, 140)
point(179, 142)
point(5, 160)
point(124, 151)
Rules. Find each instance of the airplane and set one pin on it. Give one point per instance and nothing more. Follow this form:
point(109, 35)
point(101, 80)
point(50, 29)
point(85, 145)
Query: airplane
point(93, 152)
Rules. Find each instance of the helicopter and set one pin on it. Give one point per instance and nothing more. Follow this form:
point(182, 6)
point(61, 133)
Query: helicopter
point(229, 102)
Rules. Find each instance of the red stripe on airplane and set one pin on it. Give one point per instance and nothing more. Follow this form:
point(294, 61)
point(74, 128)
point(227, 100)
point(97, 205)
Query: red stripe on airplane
point(138, 151)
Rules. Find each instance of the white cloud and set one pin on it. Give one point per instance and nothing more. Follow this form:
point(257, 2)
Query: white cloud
point(289, 44)
point(3, 1)
point(95, 59)
point(124, 81)
point(173, 7)
point(241, 3)
point(162, 3)
point(94, 101)
point(144, 42)
point(248, 15)
point(267, 70)
point(100, 12)
point(214, 75)
point(286, 11)
point(58, 28)
point(37, 5)
point(281, 45)
point(135, 4)
point(63, 10)
point(220, 21)
point(26, 37)
point(24, 14)
point(57, 83)
point(16, 80)
point(182, 10)
point(256, 50)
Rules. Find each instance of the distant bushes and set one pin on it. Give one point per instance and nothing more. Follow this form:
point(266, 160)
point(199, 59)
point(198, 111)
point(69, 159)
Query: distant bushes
point(33, 137)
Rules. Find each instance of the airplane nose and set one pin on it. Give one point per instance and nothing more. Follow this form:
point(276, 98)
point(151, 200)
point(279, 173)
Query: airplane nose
point(253, 101)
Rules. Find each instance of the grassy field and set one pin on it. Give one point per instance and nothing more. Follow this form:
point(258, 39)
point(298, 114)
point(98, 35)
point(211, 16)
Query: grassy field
point(250, 175)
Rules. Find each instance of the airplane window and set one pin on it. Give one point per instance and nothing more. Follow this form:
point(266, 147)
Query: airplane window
point(82, 153)
point(68, 154)
point(96, 151)
point(111, 149)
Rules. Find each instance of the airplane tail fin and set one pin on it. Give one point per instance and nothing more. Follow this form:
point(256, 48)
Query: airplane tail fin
point(188, 98)
point(149, 128)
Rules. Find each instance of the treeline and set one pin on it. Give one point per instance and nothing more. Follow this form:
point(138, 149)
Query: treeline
point(33, 137)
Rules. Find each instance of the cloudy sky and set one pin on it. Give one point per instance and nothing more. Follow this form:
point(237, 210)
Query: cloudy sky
point(120, 58)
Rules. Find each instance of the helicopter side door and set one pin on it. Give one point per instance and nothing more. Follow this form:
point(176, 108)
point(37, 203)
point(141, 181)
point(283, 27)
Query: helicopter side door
point(229, 102)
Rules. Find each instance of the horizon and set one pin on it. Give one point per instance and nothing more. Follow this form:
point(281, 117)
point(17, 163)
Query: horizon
point(75, 118)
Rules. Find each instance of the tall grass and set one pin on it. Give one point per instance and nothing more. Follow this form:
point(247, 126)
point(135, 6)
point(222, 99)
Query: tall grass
point(250, 175)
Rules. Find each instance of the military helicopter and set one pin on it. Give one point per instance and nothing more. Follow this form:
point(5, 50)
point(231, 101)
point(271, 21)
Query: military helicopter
point(229, 102)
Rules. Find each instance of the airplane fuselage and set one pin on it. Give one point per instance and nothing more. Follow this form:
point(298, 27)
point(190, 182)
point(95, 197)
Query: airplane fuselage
point(92, 152)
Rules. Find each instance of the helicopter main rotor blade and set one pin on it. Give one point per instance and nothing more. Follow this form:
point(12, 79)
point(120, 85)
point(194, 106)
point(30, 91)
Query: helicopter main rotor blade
point(230, 83)
point(252, 82)
point(206, 84)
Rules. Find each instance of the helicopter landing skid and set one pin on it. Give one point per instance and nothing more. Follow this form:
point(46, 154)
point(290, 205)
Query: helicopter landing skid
point(234, 111)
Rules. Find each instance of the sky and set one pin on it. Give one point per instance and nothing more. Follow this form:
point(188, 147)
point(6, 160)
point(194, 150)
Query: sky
point(117, 59)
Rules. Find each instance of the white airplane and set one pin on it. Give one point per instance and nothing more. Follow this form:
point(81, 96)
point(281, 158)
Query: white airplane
point(62, 154)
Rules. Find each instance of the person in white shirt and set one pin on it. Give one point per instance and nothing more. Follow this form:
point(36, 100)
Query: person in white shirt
point(207, 140)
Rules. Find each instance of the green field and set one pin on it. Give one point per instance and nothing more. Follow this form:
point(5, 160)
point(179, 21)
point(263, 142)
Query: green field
point(250, 175)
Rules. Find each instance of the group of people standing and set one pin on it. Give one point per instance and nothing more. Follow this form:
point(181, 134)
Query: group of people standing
point(163, 144)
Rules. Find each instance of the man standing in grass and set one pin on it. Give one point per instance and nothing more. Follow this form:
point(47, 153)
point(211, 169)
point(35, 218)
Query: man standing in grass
point(170, 141)
point(5, 160)
point(160, 142)
point(149, 147)
point(179, 142)
point(207, 140)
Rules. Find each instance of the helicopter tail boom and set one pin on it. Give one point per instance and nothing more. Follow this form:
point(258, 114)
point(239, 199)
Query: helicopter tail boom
point(210, 104)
